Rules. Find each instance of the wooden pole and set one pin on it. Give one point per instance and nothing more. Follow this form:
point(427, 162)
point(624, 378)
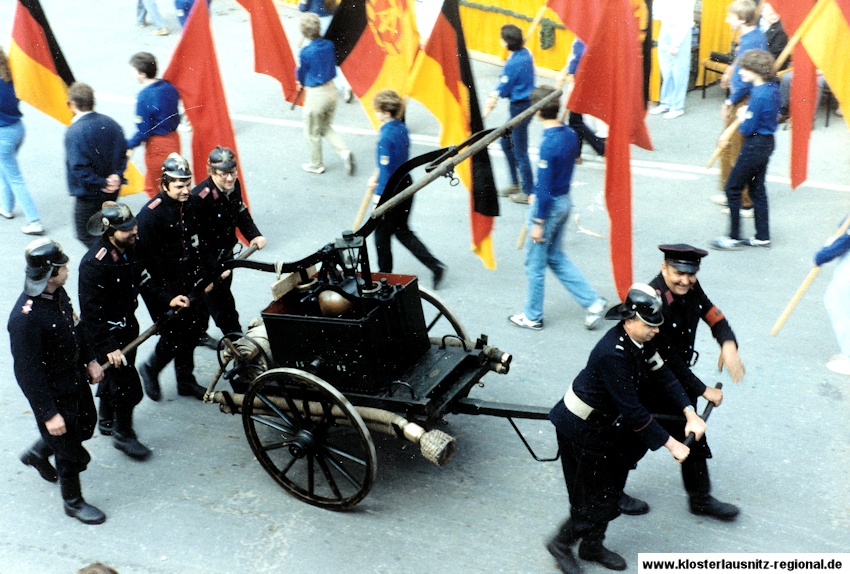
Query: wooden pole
point(535, 23)
point(804, 286)
point(726, 135)
point(364, 205)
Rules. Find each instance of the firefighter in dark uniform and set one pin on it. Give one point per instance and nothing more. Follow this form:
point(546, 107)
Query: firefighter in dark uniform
point(684, 305)
point(603, 428)
point(52, 363)
point(169, 244)
point(222, 212)
point(111, 276)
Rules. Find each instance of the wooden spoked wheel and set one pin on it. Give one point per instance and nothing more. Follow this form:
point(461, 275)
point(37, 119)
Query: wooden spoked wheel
point(309, 438)
point(438, 318)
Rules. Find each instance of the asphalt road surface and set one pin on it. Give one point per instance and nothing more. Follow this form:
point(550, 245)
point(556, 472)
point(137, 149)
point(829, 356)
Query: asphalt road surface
point(203, 504)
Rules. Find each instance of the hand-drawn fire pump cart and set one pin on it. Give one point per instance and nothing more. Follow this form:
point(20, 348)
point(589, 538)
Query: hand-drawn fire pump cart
point(343, 352)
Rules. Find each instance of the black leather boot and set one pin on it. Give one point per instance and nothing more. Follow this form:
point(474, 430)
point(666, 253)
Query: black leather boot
point(631, 505)
point(149, 371)
point(75, 506)
point(592, 550)
point(37, 457)
point(560, 546)
point(125, 438)
point(187, 386)
point(105, 418)
point(698, 486)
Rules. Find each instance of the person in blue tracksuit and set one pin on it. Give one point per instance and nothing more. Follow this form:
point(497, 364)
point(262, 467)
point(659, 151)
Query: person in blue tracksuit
point(758, 123)
point(393, 151)
point(516, 84)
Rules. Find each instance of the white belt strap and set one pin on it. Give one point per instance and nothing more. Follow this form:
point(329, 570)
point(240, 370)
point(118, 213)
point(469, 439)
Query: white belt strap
point(577, 406)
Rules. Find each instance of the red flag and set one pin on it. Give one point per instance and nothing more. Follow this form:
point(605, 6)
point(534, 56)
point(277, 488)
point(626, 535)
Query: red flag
point(803, 88)
point(376, 43)
point(194, 72)
point(272, 52)
point(39, 70)
point(609, 86)
point(442, 81)
point(580, 16)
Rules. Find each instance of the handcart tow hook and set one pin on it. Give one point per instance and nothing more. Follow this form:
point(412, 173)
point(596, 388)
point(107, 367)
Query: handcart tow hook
point(528, 446)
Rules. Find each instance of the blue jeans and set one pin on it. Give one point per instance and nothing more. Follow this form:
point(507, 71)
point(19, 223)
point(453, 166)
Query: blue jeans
point(516, 149)
point(548, 254)
point(11, 181)
point(675, 72)
point(149, 8)
point(749, 171)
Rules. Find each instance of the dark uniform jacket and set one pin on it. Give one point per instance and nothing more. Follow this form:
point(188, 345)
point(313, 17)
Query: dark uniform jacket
point(49, 352)
point(109, 287)
point(220, 215)
point(168, 242)
point(609, 383)
point(94, 149)
point(676, 338)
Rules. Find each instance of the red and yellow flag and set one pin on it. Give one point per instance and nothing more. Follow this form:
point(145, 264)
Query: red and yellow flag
point(272, 52)
point(39, 70)
point(826, 35)
point(609, 86)
point(803, 89)
point(376, 44)
point(42, 76)
point(442, 81)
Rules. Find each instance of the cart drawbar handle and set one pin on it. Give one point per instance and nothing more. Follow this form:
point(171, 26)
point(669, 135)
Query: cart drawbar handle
point(691, 438)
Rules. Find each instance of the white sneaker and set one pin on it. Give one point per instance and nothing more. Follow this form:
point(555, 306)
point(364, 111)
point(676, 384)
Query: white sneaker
point(34, 228)
point(726, 244)
point(658, 110)
point(595, 314)
point(719, 199)
point(520, 320)
point(840, 365)
point(7, 214)
point(309, 167)
point(753, 242)
point(673, 114)
point(745, 213)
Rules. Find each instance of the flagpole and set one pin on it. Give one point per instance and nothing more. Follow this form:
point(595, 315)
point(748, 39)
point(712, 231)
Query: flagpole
point(535, 23)
point(448, 165)
point(364, 205)
point(725, 136)
point(804, 286)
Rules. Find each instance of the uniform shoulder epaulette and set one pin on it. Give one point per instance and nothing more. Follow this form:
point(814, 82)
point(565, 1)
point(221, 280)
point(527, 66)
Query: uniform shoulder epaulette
point(99, 255)
point(27, 307)
point(204, 192)
point(154, 203)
